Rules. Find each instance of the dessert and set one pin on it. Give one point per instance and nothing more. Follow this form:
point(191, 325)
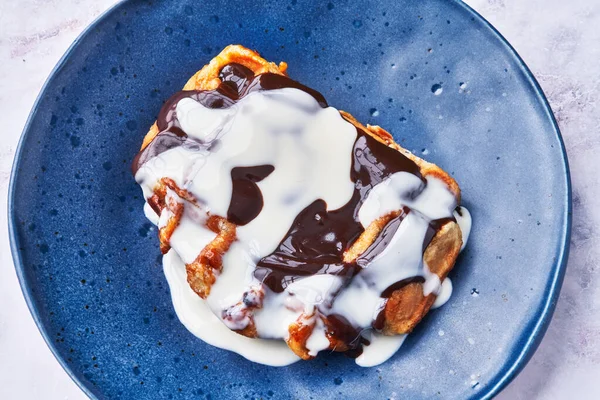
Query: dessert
point(290, 228)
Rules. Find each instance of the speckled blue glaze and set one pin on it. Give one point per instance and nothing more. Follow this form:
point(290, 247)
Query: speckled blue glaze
point(89, 262)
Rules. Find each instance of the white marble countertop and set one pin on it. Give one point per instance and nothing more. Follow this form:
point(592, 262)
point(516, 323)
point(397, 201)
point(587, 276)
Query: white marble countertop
point(559, 40)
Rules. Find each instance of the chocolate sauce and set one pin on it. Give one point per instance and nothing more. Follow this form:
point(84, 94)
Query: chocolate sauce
point(433, 228)
point(458, 211)
point(246, 198)
point(387, 293)
point(341, 329)
point(314, 245)
point(236, 77)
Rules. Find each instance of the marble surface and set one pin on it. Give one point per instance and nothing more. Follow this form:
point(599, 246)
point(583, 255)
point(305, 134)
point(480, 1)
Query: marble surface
point(560, 41)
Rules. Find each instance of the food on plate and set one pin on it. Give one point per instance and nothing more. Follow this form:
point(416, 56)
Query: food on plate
point(289, 227)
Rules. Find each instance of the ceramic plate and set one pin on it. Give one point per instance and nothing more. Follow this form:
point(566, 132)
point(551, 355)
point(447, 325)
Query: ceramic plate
point(434, 73)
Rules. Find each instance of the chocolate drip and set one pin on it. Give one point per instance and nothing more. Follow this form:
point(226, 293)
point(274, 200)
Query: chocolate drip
point(314, 245)
point(342, 330)
point(246, 198)
point(387, 293)
point(236, 77)
point(434, 227)
point(458, 211)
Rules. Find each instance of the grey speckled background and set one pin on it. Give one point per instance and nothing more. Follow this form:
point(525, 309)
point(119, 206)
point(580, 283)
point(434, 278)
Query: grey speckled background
point(559, 40)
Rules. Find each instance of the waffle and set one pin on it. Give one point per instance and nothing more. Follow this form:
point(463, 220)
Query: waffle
point(405, 307)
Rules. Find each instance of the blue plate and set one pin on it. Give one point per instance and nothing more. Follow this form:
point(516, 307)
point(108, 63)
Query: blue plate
point(434, 73)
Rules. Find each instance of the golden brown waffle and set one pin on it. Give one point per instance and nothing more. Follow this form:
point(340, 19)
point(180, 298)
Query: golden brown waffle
point(406, 306)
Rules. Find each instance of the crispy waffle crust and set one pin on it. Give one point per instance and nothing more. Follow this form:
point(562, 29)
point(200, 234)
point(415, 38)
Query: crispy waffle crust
point(405, 307)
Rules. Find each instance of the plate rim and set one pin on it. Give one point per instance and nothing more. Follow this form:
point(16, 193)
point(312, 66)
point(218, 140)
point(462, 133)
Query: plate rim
point(496, 383)
point(546, 311)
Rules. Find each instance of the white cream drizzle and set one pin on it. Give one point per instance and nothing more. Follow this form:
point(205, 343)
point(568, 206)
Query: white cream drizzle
point(463, 219)
point(444, 294)
point(197, 317)
point(150, 214)
point(310, 147)
point(318, 340)
point(380, 349)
